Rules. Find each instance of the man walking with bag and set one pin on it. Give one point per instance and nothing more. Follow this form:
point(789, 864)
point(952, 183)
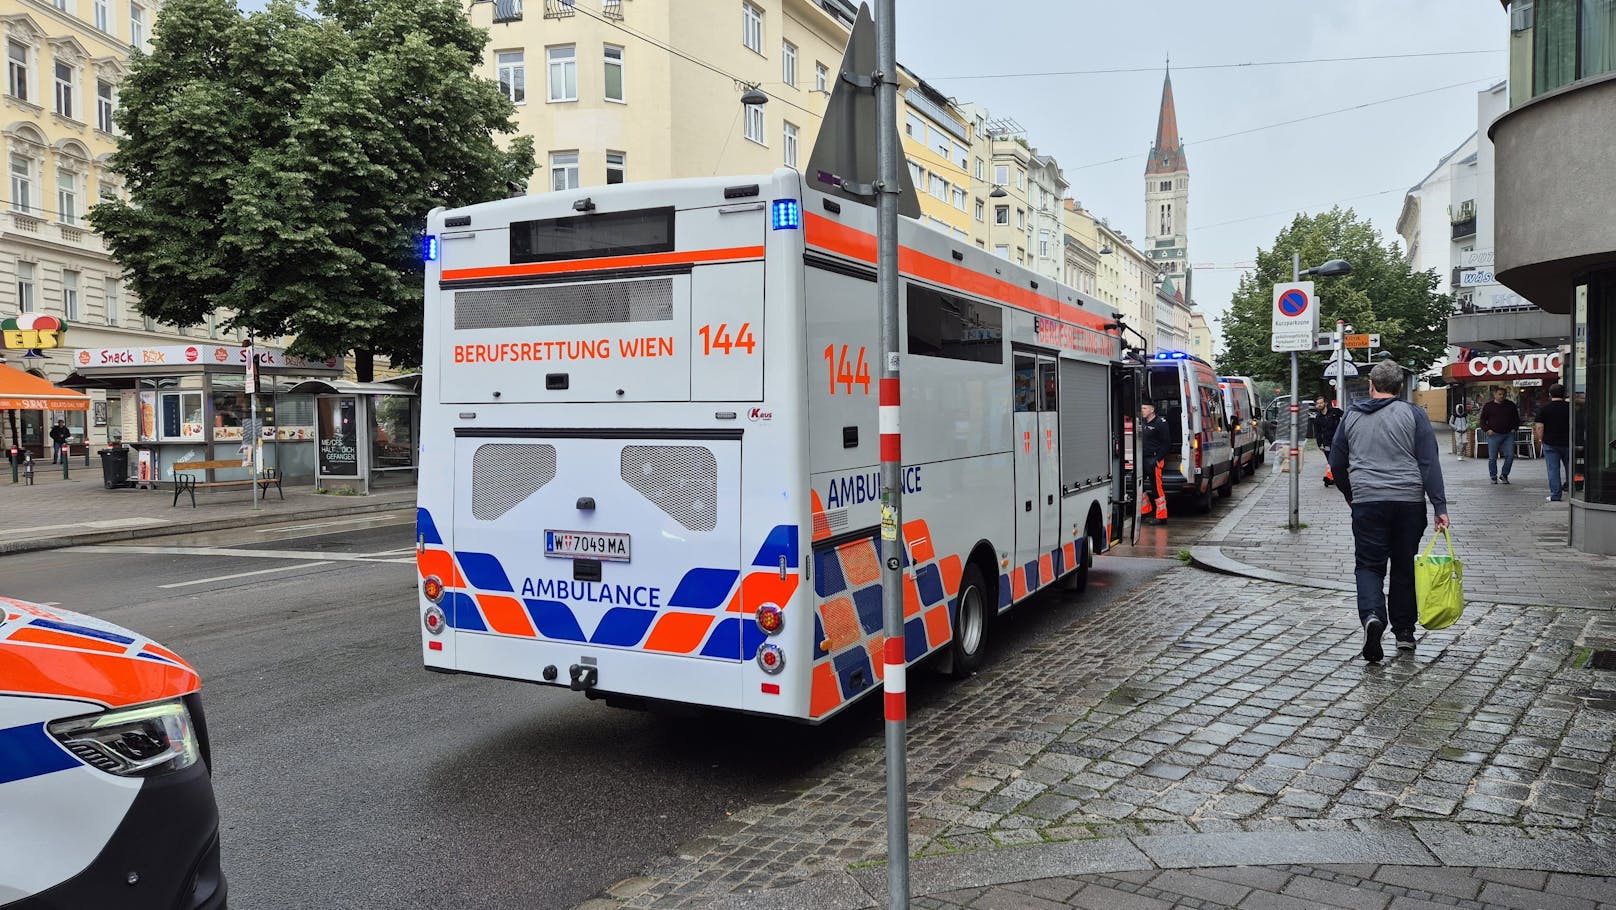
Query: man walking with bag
point(1386, 464)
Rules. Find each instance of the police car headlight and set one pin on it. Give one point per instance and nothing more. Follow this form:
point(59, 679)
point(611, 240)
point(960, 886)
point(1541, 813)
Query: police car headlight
point(133, 742)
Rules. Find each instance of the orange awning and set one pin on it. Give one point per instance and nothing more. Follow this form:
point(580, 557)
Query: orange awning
point(21, 391)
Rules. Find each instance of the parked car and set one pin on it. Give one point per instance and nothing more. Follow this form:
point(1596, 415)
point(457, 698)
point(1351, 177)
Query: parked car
point(1274, 416)
point(106, 789)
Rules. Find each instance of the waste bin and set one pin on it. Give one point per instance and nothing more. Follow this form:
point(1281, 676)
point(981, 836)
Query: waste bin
point(115, 467)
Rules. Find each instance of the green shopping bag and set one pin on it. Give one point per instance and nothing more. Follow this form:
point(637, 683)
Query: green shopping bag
point(1439, 585)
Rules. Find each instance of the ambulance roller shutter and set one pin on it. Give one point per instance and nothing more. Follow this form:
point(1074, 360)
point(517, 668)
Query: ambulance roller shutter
point(592, 303)
point(681, 480)
point(503, 475)
point(1085, 399)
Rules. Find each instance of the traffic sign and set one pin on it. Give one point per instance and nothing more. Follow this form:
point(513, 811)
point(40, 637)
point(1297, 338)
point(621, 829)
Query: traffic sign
point(1295, 317)
point(1363, 340)
point(1330, 369)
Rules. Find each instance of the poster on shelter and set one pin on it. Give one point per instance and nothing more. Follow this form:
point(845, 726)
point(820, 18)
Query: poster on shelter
point(339, 437)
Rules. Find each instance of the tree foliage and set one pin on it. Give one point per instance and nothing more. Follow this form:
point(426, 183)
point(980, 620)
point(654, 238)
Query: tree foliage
point(281, 166)
point(1380, 295)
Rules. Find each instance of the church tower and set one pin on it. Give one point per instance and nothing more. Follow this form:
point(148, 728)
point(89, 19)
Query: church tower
point(1167, 193)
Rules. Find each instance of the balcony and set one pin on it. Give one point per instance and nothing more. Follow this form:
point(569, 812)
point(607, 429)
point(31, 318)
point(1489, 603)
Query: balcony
point(612, 9)
point(1463, 219)
point(509, 11)
point(557, 9)
point(1465, 228)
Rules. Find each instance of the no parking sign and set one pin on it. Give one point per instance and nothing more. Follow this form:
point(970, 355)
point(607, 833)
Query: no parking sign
point(1296, 317)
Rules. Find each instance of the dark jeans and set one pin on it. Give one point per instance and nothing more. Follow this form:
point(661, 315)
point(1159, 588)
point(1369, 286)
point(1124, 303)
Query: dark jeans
point(1387, 532)
point(1496, 441)
point(1557, 457)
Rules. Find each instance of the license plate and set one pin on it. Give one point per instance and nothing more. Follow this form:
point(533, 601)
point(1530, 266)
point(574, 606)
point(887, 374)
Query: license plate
point(586, 545)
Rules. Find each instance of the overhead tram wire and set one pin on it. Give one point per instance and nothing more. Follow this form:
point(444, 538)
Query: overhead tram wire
point(1220, 66)
point(1295, 120)
point(1298, 209)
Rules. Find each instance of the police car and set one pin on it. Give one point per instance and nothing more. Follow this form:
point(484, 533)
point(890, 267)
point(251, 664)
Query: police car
point(106, 792)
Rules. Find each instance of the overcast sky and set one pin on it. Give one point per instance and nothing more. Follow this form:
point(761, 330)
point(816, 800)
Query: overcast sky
point(1242, 189)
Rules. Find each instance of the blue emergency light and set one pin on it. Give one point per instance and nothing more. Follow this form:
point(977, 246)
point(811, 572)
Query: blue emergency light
point(429, 248)
point(787, 215)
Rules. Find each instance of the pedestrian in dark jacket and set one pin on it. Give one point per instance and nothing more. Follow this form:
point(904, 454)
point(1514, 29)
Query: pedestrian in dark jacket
point(59, 435)
point(1386, 465)
point(1156, 439)
point(1327, 418)
point(1500, 418)
point(1553, 431)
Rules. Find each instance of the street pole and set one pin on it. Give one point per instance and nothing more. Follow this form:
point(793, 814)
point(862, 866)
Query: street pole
point(886, 279)
point(1296, 421)
point(250, 375)
point(1341, 364)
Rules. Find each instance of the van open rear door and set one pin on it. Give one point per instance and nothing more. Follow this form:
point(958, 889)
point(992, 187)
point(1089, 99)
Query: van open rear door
point(1126, 381)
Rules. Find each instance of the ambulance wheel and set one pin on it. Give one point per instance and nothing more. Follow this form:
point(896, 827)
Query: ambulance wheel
point(1227, 490)
point(1203, 502)
point(1078, 579)
point(970, 625)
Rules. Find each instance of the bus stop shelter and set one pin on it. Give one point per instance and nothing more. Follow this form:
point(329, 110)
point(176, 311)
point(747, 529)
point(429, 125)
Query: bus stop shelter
point(364, 431)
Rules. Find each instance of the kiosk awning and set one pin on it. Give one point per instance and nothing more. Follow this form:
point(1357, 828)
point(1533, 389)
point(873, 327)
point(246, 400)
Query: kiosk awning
point(401, 385)
point(21, 391)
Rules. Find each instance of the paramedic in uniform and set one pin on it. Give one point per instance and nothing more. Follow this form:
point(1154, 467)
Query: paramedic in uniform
point(1156, 441)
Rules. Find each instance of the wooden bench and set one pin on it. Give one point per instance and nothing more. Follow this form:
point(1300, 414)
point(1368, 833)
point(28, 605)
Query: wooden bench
point(185, 482)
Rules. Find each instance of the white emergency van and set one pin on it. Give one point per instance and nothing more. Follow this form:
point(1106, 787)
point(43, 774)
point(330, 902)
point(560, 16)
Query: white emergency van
point(1201, 459)
point(650, 458)
point(1240, 406)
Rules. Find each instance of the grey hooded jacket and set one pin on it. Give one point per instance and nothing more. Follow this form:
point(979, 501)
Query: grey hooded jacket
point(1384, 451)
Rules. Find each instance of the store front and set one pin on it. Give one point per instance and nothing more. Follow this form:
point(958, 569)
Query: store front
point(190, 403)
point(1592, 381)
point(1525, 377)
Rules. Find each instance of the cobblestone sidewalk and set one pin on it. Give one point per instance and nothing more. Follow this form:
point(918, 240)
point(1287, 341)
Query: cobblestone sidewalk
point(1513, 543)
point(1212, 705)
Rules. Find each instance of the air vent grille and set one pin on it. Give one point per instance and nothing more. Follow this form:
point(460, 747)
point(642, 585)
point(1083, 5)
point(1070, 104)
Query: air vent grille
point(503, 475)
point(681, 480)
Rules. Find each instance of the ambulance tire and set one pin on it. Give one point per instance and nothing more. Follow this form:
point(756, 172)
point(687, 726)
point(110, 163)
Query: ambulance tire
point(1078, 579)
point(1203, 502)
point(969, 645)
point(1227, 490)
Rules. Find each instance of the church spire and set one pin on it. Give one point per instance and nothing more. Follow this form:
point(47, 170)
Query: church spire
point(1167, 154)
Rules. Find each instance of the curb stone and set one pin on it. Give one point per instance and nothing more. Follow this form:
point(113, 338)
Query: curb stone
point(1389, 844)
point(36, 544)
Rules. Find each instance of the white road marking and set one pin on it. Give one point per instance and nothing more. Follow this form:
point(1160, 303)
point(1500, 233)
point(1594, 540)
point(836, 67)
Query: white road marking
point(102, 525)
point(204, 581)
point(227, 551)
point(366, 519)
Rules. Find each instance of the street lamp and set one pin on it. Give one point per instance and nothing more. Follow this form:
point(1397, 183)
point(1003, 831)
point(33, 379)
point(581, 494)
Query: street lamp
point(1330, 269)
point(998, 192)
point(754, 96)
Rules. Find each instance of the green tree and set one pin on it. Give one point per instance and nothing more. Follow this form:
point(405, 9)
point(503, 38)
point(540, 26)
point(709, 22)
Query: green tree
point(1381, 295)
point(281, 166)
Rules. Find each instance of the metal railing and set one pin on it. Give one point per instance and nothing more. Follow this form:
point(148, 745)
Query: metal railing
point(1464, 228)
point(508, 10)
point(612, 9)
point(558, 9)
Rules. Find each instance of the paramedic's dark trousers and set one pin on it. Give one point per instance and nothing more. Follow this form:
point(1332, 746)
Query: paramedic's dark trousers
point(1387, 533)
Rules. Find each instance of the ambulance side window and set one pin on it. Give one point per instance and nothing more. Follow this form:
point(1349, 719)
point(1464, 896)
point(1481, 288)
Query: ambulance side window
point(1025, 374)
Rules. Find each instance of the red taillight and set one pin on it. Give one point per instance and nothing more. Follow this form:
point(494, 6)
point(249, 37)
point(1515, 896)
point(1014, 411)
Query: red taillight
point(434, 620)
point(771, 619)
point(1195, 451)
point(770, 658)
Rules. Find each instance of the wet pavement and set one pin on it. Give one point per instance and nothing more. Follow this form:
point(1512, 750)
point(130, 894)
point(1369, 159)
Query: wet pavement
point(1212, 740)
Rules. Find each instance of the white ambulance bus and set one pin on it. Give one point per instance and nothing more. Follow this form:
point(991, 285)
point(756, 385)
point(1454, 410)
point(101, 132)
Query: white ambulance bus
point(650, 456)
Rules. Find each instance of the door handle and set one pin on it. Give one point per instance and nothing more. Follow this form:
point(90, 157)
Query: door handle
point(1029, 506)
point(1051, 499)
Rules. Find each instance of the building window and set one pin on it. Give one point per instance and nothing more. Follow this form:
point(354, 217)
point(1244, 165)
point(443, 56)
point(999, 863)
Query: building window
point(616, 167)
point(960, 198)
point(563, 72)
point(70, 295)
point(1166, 185)
point(914, 127)
point(917, 174)
point(22, 183)
point(67, 197)
point(1001, 214)
point(25, 287)
point(512, 69)
point(564, 170)
point(939, 187)
point(821, 77)
point(1166, 219)
point(614, 72)
point(111, 297)
point(754, 123)
point(981, 210)
point(1001, 250)
point(17, 69)
point(137, 26)
point(752, 27)
point(1021, 179)
point(979, 169)
point(103, 105)
point(1001, 174)
point(790, 143)
point(1043, 244)
point(1021, 219)
point(108, 192)
point(788, 64)
point(102, 15)
point(64, 90)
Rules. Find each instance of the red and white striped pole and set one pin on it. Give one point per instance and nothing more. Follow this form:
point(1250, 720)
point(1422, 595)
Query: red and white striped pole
point(887, 187)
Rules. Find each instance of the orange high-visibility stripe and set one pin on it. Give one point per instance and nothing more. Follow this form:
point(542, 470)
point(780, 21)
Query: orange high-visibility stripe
point(679, 633)
point(110, 679)
point(505, 615)
point(602, 263)
point(825, 695)
point(32, 635)
point(759, 588)
point(854, 243)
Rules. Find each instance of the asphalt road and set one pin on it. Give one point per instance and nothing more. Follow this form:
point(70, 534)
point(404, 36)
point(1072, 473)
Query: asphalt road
point(350, 778)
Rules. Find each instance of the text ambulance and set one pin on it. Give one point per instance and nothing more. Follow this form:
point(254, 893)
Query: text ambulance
point(651, 455)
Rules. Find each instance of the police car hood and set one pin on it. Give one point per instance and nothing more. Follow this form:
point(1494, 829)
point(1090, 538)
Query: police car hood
point(68, 663)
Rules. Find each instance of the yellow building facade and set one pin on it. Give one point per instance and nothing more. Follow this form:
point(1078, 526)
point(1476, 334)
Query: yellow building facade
point(620, 90)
